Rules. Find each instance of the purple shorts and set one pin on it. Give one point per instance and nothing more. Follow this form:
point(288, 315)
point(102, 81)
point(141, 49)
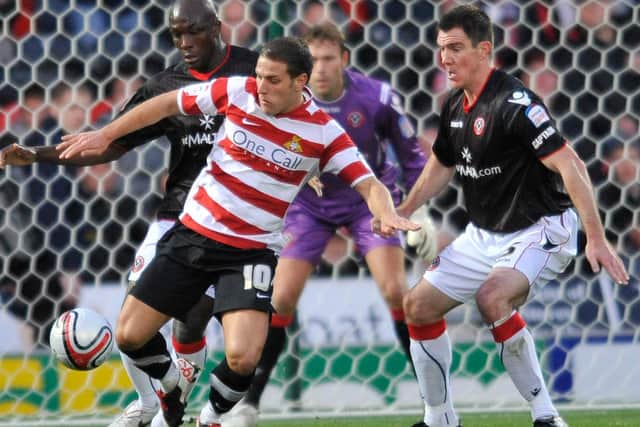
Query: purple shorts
point(307, 231)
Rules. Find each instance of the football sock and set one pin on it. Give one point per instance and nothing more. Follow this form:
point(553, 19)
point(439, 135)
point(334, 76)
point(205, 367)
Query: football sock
point(143, 383)
point(431, 354)
point(402, 333)
point(518, 355)
point(195, 352)
point(153, 357)
point(276, 340)
point(227, 387)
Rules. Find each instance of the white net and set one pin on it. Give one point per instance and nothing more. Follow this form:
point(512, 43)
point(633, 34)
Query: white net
point(68, 235)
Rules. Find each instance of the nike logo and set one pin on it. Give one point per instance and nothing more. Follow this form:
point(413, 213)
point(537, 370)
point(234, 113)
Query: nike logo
point(548, 245)
point(246, 121)
point(262, 296)
point(535, 391)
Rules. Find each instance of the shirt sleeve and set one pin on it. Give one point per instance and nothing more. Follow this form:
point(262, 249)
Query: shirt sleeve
point(204, 98)
point(402, 136)
point(146, 134)
point(442, 149)
point(532, 125)
point(342, 158)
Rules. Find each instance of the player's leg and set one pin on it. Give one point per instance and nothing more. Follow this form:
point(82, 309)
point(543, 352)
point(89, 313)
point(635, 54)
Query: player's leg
point(188, 335)
point(386, 264)
point(291, 275)
point(142, 410)
point(452, 279)
point(166, 289)
point(530, 260)
point(243, 300)
point(308, 237)
point(425, 307)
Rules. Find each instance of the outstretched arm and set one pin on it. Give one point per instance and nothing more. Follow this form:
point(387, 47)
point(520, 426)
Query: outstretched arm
point(576, 180)
point(20, 155)
point(96, 142)
point(434, 178)
point(386, 220)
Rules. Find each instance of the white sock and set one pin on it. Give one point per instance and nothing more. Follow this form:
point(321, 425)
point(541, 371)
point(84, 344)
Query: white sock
point(170, 379)
point(198, 358)
point(519, 357)
point(432, 361)
point(208, 415)
point(143, 383)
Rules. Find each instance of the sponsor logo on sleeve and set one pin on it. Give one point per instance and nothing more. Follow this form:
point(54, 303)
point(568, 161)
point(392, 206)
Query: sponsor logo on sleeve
point(520, 97)
point(540, 139)
point(537, 115)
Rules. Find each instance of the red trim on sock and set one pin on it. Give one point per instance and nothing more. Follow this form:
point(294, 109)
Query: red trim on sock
point(397, 314)
point(189, 348)
point(512, 326)
point(281, 321)
point(427, 332)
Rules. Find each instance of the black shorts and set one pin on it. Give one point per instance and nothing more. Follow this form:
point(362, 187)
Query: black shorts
point(187, 263)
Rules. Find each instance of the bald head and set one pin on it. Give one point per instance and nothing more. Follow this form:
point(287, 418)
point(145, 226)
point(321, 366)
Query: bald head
point(190, 10)
point(195, 31)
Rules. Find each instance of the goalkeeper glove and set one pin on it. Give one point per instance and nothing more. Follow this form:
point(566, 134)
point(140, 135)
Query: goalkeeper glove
point(424, 240)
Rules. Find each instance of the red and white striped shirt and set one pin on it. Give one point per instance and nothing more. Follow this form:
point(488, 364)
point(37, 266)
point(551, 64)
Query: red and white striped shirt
point(258, 162)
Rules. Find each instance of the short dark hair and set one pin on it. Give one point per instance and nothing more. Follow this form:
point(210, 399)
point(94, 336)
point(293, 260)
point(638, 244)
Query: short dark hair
point(326, 32)
point(473, 21)
point(292, 51)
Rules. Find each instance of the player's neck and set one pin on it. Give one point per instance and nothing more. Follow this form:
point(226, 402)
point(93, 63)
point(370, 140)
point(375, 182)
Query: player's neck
point(475, 88)
point(216, 59)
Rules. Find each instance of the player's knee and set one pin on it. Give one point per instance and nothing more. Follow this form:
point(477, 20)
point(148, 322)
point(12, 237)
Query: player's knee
point(243, 362)
point(416, 310)
point(127, 338)
point(393, 292)
point(491, 301)
point(285, 304)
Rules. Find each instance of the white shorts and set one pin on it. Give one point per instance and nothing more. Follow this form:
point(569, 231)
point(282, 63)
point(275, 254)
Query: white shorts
point(147, 250)
point(540, 252)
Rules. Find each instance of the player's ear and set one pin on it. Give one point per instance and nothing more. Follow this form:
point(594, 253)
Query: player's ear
point(301, 80)
point(345, 58)
point(485, 48)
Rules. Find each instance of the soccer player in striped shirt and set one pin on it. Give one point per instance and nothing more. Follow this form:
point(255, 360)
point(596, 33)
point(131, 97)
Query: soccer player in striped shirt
point(273, 140)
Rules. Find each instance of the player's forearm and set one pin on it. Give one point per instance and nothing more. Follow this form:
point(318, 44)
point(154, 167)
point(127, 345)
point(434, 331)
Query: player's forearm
point(433, 179)
point(379, 200)
point(576, 181)
point(49, 154)
point(143, 115)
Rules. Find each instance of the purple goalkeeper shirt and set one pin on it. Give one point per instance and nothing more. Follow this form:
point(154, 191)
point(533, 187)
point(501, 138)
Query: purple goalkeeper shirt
point(372, 115)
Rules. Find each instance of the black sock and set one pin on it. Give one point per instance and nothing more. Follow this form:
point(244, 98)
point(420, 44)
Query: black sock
point(402, 332)
point(276, 340)
point(227, 387)
point(156, 350)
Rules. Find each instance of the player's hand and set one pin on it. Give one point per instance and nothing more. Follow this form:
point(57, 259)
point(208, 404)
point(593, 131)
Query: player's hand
point(16, 155)
point(317, 185)
point(600, 253)
point(83, 144)
point(424, 240)
point(388, 226)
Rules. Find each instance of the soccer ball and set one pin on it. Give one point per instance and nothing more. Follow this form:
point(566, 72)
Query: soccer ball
point(81, 339)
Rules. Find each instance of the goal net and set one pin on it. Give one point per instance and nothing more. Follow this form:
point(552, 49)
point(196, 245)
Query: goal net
point(68, 235)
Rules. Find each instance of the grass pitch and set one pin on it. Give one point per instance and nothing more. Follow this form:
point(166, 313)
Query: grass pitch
point(604, 418)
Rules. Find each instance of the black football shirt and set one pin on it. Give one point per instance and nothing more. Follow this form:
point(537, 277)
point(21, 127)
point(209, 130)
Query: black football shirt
point(496, 145)
point(191, 137)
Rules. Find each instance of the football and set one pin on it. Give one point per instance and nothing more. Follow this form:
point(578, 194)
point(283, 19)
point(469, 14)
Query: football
point(81, 339)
